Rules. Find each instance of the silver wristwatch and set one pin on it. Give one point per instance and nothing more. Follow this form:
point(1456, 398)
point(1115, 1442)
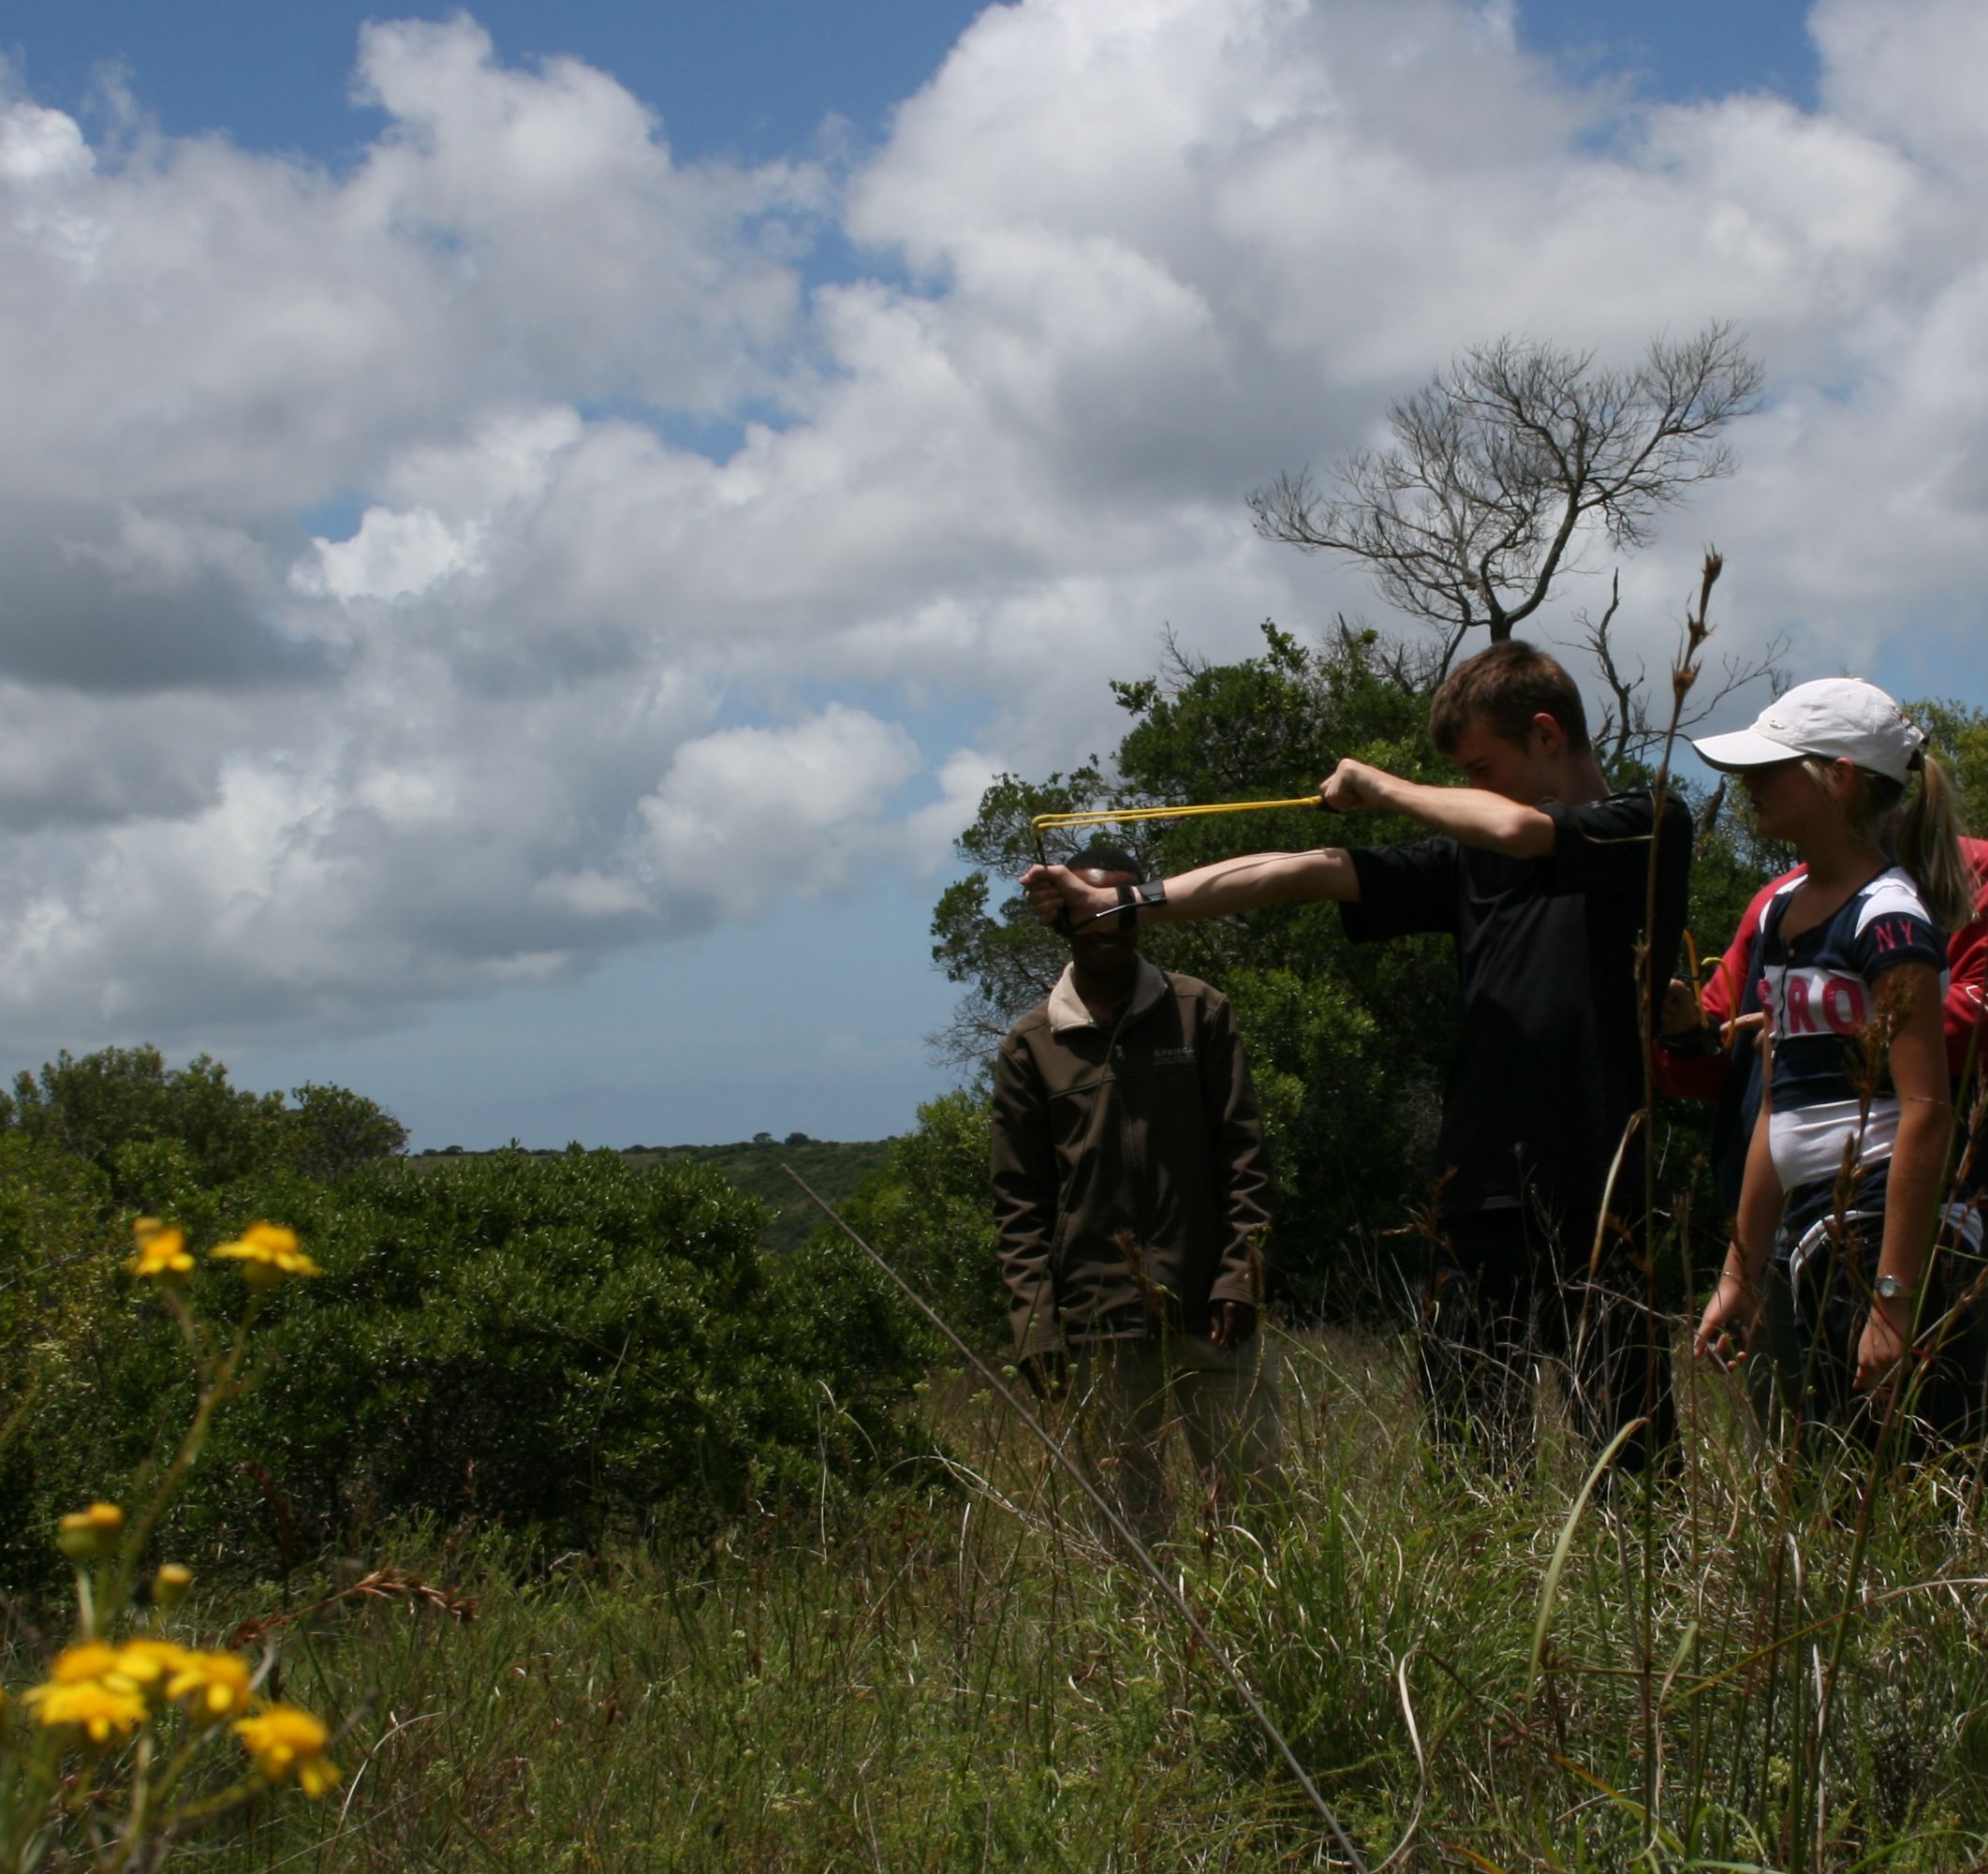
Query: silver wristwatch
point(1889, 1288)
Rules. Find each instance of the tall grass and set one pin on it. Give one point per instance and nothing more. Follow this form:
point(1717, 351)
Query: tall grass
point(957, 1677)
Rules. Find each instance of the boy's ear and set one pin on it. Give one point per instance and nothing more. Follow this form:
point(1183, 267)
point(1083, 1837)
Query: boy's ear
point(1548, 737)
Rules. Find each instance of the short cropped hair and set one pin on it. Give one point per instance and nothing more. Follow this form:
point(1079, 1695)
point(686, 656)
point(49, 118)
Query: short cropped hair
point(1108, 859)
point(1504, 689)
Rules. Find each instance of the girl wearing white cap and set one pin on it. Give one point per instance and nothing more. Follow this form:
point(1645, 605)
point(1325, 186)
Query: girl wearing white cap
point(1858, 937)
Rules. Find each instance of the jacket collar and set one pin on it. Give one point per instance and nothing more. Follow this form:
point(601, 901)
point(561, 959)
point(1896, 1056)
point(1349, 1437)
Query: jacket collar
point(1067, 1009)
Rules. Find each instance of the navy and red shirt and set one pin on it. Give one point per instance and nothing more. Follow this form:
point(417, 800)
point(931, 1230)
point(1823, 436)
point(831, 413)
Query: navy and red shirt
point(1821, 990)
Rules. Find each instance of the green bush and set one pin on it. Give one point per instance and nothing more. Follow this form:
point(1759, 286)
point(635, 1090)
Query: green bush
point(563, 1346)
point(103, 1106)
point(56, 1291)
point(928, 1213)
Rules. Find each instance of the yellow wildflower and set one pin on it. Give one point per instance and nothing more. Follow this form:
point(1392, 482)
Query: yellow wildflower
point(267, 1252)
point(213, 1685)
point(78, 1666)
point(170, 1585)
point(286, 1742)
point(101, 1708)
point(89, 1535)
point(146, 1665)
point(107, 1517)
point(161, 1252)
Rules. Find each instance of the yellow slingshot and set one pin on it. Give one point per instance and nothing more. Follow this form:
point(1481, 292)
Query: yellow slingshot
point(1043, 822)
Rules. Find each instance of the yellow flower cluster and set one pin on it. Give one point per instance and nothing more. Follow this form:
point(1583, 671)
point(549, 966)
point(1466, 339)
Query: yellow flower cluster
point(161, 1252)
point(103, 1710)
point(108, 1692)
point(90, 1534)
point(286, 1742)
point(267, 1252)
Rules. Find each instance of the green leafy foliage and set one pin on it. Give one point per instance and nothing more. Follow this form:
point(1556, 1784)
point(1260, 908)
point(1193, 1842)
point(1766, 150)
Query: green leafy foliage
point(56, 1285)
point(568, 1345)
point(759, 1167)
point(103, 1105)
point(1960, 738)
point(929, 1212)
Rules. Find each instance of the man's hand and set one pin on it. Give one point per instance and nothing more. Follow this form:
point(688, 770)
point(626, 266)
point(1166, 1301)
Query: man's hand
point(1887, 1334)
point(1726, 1329)
point(1053, 889)
point(1233, 1324)
point(1048, 1374)
point(1353, 785)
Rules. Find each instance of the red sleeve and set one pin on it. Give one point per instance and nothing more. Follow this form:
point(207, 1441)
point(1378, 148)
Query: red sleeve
point(1687, 1076)
point(1967, 967)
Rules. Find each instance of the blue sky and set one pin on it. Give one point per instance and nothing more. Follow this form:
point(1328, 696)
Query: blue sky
point(532, 528)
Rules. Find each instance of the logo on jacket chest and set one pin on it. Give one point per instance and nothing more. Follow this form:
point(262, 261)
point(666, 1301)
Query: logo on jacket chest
point(1172, 1057)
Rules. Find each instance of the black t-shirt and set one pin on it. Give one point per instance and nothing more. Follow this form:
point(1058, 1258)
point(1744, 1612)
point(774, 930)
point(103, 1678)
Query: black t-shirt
point(1548, 1064)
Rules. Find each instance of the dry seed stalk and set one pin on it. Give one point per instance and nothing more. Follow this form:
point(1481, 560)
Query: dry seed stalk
point(380, 1583)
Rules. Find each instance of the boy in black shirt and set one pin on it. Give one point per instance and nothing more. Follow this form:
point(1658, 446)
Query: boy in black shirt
point(1540, 876)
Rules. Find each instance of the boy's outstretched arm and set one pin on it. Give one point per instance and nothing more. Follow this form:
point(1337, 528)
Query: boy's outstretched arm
point(1243, 884)
point(1474, 816)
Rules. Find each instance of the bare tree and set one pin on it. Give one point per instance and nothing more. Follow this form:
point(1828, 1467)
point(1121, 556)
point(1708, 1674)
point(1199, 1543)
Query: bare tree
point(1499, 461)
point(1626, 729)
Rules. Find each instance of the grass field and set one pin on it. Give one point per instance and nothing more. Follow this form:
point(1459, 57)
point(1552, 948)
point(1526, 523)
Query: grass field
point(955, 1676)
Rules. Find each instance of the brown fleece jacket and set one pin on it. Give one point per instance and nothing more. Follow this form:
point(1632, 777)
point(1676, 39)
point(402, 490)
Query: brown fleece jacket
point(1149, 1128)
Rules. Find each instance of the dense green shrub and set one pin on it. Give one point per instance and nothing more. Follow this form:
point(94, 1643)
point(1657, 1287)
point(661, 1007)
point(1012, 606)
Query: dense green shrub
point(567, 1344)
point(102, 1106)
point(928, 1213)
point(56, 1289)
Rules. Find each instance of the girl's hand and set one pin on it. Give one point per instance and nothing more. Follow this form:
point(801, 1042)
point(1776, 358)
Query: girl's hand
point(1726, 1329)
point(1681, 1011)
point(1887, 1334)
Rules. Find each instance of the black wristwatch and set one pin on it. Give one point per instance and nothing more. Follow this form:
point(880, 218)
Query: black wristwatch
point(1132, 897)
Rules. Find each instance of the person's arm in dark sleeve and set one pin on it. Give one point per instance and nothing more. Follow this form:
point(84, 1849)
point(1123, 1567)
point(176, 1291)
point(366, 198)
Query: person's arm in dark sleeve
point(1404, 890)
point(1235, 1124)
point(1025, 1203)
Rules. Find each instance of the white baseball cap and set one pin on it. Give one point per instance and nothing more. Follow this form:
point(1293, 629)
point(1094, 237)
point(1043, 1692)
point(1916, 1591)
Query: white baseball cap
point(1839, 718)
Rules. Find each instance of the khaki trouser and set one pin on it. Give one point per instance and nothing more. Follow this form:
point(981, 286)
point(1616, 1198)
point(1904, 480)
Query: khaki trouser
point(1129, 1394)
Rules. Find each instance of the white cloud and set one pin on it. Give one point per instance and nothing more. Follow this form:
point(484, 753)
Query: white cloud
point(1909, 72)
point(748, 815)
point(36, 143)
point(384, 623)
point(392, 556)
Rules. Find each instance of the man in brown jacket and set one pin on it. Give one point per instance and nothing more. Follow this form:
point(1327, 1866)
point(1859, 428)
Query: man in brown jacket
point(1131, 1201)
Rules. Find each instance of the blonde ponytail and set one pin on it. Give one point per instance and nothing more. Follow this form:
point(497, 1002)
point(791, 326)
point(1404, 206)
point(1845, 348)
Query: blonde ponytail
point(1929, 849)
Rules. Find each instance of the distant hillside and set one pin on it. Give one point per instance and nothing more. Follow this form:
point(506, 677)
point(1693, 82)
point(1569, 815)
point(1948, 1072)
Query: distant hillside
point(834, 1168)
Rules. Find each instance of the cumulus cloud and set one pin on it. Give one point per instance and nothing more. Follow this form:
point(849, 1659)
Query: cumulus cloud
point(382, 621)
point(745, 814)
